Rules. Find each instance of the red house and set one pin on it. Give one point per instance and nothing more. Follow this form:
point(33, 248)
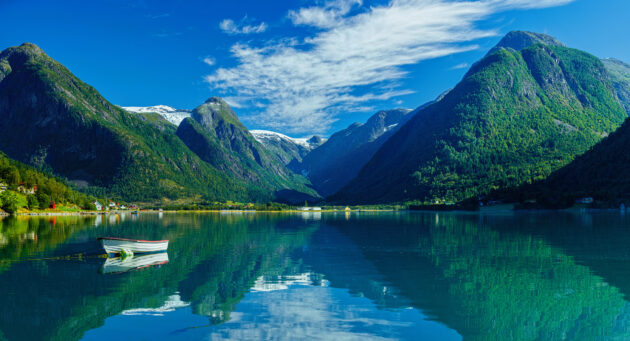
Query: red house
point(52, 205)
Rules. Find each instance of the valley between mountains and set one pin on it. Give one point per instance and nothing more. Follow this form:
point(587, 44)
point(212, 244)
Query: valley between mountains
point(533, 121)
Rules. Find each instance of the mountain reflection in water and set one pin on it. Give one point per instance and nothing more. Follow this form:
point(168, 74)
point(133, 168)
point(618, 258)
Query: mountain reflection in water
point(541, 276)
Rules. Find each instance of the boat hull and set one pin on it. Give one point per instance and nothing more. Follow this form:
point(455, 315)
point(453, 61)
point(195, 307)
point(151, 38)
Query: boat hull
point(117, 245)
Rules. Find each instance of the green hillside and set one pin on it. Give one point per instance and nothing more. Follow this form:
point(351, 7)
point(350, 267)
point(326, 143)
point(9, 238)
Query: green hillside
point(620, 76)
point(516, 116)
point(52, 120)
point(216, 135)
point(602, 173)
point(19, 179)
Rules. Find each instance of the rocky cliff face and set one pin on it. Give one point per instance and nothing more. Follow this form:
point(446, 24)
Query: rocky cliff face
point(289, 150)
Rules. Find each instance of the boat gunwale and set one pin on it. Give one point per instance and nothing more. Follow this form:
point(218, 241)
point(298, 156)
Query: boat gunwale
point(133, 240)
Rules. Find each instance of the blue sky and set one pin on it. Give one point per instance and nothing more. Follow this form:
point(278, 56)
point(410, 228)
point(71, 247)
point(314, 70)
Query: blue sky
point(297, 67)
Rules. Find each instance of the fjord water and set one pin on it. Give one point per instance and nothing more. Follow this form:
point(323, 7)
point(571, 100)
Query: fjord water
point(442, 276)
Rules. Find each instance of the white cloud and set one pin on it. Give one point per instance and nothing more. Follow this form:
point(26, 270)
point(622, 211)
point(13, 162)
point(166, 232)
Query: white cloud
point(305, 83)
point(323, 17)
point(234, 101)
point(460, 66)
point(230, 27)
point(209, 60)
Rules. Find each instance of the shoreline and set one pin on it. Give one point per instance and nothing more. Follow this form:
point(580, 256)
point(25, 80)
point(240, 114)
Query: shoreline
point(95, 213)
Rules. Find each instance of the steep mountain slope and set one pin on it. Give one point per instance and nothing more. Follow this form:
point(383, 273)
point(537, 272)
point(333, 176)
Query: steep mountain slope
point(175, 116)
point(339, 159)
point(516, 116)
point(52, 120)
point(216, 135)
point(286, 148)
point(620, 76)
point(602, 172)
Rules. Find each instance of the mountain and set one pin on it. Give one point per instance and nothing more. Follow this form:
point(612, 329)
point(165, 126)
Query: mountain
point(287, 149)
point(602, 173)
point(52, 120)
point(519, 40)
point(620, 76)
point(216, 135)
point(339, 159)
point(518, 114)
point(175, 116)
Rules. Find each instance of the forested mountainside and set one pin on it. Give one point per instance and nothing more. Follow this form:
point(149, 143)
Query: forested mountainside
point(52, 120)
point(620, 76)
point(523, 111)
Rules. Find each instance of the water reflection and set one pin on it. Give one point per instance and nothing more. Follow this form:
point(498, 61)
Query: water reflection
point(117, 265)
point(394, 275)
point(501, 277)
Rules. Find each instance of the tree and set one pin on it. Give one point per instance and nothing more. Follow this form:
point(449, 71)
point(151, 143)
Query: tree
point(9, 202)
point(13, 176)
point(32, 202)
point(43, 199)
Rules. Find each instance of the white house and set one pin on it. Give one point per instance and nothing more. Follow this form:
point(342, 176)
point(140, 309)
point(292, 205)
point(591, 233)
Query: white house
point(305, 208)
point(98, 205)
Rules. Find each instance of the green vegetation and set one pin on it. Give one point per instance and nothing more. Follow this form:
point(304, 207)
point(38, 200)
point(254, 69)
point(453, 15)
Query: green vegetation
point(516, 117)
point(57, 123)
point(620, 76)
point(601, 173)
point(488, 280)
point(213, 261)
point(20, 179)
point(216, 135)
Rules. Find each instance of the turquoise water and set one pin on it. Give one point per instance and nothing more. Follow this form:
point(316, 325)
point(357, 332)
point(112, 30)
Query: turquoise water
point(412, 276)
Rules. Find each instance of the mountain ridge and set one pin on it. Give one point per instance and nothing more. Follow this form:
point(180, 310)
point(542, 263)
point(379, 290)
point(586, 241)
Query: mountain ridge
point(52, 120)
point(515, 117)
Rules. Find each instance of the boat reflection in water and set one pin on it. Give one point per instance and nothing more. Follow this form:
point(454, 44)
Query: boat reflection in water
point(119, 265)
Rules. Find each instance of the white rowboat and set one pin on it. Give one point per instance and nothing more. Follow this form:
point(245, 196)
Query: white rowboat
point(132, 246)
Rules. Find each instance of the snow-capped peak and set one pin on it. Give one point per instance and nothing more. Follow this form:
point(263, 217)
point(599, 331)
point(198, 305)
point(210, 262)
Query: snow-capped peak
point(156, 108)
point(262, 135)
point(175, 116)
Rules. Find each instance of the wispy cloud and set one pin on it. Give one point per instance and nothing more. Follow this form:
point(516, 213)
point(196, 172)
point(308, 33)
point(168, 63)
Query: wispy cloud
point(230, 27)
point(209, 60)
point(305, 83)
point(324, 17)
point(460, 66)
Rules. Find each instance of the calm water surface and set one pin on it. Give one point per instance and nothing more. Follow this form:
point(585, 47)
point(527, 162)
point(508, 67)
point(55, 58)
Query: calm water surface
point(433, 276)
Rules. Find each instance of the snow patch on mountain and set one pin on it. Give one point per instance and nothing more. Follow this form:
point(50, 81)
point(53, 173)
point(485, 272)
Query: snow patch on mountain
point(175, 116)
point(266, 135)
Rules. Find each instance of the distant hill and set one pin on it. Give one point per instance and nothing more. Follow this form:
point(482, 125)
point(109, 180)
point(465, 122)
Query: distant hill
point(287, 149)
point(339, 159)
point(524, 110)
